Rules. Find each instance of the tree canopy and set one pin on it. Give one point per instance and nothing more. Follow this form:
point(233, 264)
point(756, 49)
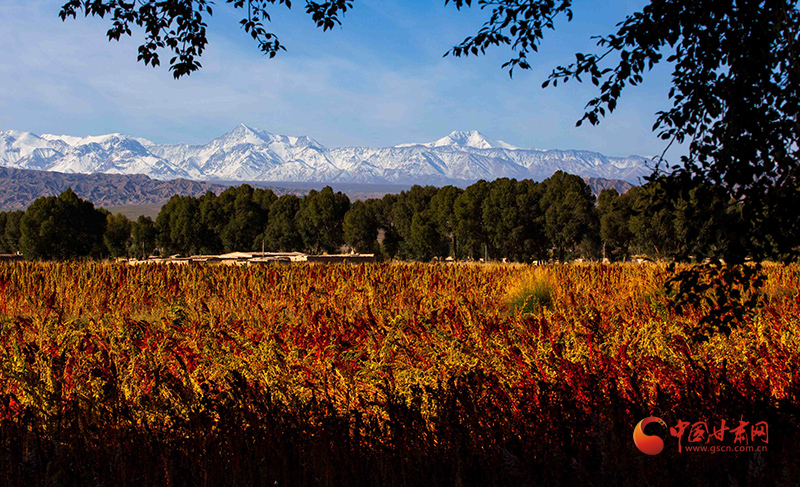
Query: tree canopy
point(62, 227)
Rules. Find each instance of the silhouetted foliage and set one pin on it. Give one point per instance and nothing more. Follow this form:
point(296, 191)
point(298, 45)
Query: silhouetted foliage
point(724, 294)
point(180, 26)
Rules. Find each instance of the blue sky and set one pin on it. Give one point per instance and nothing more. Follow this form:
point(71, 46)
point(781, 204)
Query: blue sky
point(379, 80)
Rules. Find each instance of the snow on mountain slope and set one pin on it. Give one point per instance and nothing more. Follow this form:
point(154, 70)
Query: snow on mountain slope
point(465, 140)
point(112, 153)
point(28, 151)
point(248, 154)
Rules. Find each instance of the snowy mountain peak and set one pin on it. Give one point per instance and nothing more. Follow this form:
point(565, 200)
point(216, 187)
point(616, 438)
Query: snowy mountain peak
point(465, 140)
point(243, 134)
point(473, 139)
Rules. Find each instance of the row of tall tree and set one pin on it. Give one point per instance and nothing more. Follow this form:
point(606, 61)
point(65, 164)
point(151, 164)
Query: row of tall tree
point(518, 220)
point(556, 219)
point(66, 227)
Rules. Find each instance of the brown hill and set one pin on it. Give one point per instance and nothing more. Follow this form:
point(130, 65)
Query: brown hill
point(19, 187)
point(599, 184)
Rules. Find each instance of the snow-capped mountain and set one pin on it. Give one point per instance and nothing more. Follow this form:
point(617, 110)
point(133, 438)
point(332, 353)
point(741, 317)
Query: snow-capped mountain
point(247, 154)
point(466, 140)
point(111, 154)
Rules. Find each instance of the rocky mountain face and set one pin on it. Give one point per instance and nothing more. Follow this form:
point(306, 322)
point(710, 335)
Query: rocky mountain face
point(247, 154)
point(19, 187)
point(599, 184)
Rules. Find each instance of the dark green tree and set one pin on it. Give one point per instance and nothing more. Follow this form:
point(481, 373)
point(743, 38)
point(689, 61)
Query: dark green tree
point(213, 218)
point(569, 212)
point(361, 228)
point(281, 233)
point(690, 223)
point(117, 236)
point(534, 244)
point(415, 201)
point(143, 237)
point(441, 205)
point(468, 215)
point(708, 224)
point(10, 231)
point(383, 210)
point(245, 212)
point(180, 229)
point(407, 204)
point(652, 222)
point(425, 239)
point(320, 220)
point(779, 211)
point(62, 227)
point(615, 214)
point(512, 220)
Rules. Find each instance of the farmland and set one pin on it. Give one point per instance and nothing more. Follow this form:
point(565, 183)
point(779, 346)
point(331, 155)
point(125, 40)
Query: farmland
point(382, 374)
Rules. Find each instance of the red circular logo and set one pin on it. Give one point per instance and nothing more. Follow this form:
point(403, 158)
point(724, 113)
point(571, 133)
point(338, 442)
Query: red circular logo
point(650, 444)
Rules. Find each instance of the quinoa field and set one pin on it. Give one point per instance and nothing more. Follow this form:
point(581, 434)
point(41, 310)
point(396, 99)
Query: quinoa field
point(389, 374)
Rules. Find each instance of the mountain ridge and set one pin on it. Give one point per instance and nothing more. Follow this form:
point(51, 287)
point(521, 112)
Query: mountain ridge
point(249, 154)
point(20, 187)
